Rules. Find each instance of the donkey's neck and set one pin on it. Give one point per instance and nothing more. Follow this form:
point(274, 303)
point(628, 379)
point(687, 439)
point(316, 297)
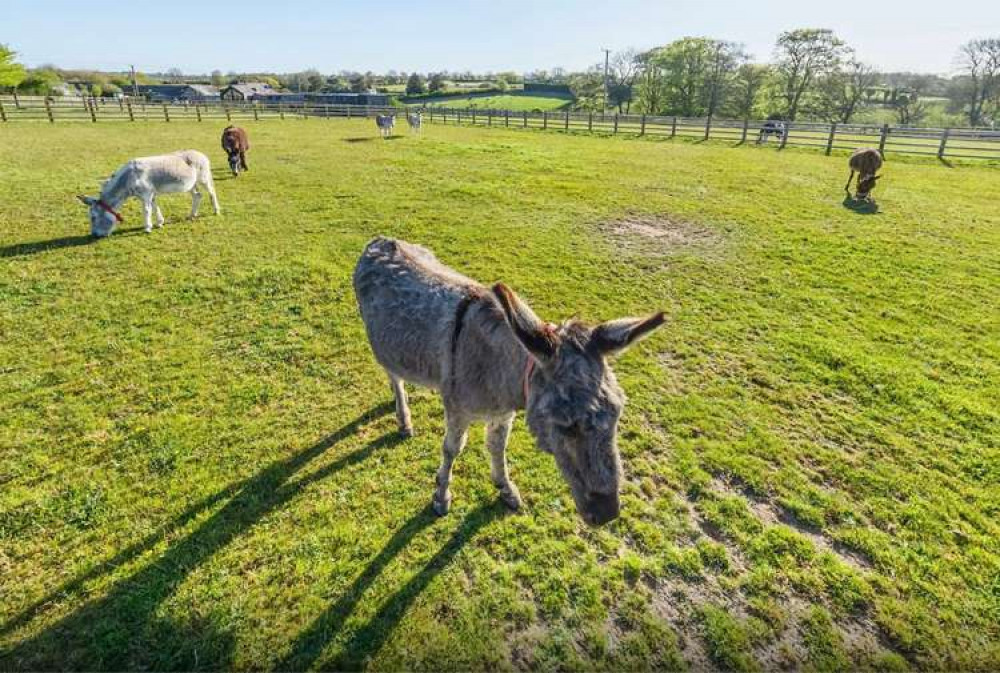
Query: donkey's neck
point(116, 190)
point(491, 365)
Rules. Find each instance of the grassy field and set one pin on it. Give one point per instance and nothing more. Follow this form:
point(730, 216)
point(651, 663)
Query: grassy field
point(198, 461)
point(509, 101)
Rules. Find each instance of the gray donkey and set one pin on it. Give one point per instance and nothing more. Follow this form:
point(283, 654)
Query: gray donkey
point(489, 355)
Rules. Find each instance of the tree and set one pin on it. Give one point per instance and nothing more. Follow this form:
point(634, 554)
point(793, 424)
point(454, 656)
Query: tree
point(41, 81)
point(361, 83)
point(689, 77)
point(175, 74)
point(980, 60)
point(844, 92)
point(803, 56)
point(748, 82)
point(910, 110)
point(588, 88)
point(217, 78)
point(623, 71)
point(12, 73)
point(436, 83)
point(415, 84)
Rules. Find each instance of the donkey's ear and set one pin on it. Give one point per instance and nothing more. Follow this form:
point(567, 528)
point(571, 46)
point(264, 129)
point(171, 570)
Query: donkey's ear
point(88, 200)
point(537, 336)
point(615, 336)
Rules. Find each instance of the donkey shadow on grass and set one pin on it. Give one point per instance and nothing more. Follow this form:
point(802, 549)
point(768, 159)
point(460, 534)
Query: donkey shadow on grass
point(861, 207)
point(124, 628)
point(26, 249)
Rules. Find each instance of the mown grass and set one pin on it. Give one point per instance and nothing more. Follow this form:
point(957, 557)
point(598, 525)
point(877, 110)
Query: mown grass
point(199, 464)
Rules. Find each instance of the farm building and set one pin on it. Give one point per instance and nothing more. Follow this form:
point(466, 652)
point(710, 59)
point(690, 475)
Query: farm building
point(246, 91)
point(178, 92)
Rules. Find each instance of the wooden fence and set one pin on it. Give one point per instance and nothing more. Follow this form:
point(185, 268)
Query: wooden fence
point(944, 143)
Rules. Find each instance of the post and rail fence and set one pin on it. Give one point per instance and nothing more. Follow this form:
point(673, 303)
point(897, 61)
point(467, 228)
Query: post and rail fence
point(944, 143)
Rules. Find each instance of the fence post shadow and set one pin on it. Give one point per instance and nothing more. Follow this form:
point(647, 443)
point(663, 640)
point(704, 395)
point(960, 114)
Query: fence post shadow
point(93, 632)
point(368, 640)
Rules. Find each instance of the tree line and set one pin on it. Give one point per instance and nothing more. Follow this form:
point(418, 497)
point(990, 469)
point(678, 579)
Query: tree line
point(814, 75)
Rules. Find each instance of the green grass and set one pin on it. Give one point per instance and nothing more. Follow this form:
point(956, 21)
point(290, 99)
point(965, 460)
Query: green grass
point(509, 101)
point(198, 460)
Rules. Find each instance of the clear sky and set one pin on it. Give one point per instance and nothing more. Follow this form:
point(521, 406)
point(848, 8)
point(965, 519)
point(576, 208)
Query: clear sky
point(427, 35)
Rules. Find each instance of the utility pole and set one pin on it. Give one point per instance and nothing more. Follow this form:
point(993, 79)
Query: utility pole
point(604, 105)
point(135, 86)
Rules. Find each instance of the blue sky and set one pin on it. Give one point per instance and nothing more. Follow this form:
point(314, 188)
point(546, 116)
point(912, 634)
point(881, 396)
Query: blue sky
point(472, 35)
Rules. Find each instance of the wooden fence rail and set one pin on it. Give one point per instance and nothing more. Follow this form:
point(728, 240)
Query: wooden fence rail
point(944, 143)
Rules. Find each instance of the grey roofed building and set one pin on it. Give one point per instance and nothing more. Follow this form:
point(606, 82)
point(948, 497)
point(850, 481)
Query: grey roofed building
point(175, 92)
point(245, 91)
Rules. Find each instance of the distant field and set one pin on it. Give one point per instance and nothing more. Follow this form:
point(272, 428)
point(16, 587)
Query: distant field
point(199, 465)
point(510, 101)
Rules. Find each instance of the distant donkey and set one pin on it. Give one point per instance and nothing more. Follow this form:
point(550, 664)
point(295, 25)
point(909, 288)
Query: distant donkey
point(146, 178)
point(385, 124)
point(772, 127)
point(489, 355)
point(236, 144)
point(414, 119)
point(866, 162)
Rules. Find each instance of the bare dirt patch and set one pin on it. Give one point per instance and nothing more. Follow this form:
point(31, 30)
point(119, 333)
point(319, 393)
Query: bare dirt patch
point(660, 234)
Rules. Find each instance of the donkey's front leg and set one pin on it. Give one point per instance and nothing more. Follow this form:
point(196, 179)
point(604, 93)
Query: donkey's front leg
point(497, 433)
point(454, 442)
point(147, 213)
point(159, 214)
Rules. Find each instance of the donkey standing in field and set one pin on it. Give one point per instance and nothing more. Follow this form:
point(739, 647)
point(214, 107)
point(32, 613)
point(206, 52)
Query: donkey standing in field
point(414, 119)
point(236, 144)
point(385, 124)
point(489, 355)
point(772, 127)
point(146, 178)
point(866, 162)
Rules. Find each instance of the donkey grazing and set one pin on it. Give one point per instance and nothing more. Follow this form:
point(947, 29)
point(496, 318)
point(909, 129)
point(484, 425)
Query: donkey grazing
point(385, 124)
point(866, 162)
point(413, 119)
point(772, 127)
point(146, 178)
point(489, 355)
point(236, 144)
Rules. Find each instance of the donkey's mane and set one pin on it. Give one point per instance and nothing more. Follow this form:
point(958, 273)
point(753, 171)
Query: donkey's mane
point(114, 185)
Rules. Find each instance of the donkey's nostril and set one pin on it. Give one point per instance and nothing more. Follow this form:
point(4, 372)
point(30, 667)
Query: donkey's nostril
point(602, 507)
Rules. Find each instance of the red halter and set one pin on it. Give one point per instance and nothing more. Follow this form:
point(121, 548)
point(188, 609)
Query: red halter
point(111, 210)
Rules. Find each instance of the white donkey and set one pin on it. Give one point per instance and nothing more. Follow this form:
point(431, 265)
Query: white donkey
point(413, 119)
point(385, 124)
point(146, 178)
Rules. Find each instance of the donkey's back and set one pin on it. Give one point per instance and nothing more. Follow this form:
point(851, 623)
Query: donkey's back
point(866, 161)
point(408, 301)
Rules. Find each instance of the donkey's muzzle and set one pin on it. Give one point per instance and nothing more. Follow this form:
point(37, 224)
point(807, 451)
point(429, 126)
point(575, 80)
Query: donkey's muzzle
point(601, 508)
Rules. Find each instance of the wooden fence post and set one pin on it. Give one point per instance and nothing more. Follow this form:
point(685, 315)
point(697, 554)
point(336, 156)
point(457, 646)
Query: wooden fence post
point(746, 126)
point(92, 108)
point(944, 142)
point(255, 117)
point(197, 111)
point(489, 117)
point(829, 140)
point(3, 113)
point(616, 122)
point(473, 116)
point(545, 120)
point(566, 124)
point(784, 135)
point(525, 125)
point(708, 126)
point(17, 102)
point(128, 105)
point(166, 113)
point(882, 139)
point(506, 118)
point(642, 128)
point(48, 108)
point(229, 116)
point(673, 127)
point(590, 122)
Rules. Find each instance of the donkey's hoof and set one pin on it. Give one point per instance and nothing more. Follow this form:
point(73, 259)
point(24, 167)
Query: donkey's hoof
point(406, 432)
point(511, 498)
point(148, 230)
point(441, 507)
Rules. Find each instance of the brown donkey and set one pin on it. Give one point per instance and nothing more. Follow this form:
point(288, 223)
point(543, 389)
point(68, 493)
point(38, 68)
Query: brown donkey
point(489, 355)
point(236, 144)
point(866, 162)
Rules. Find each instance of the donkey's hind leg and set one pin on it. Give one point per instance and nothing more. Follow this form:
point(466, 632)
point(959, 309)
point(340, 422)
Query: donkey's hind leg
point(159, 213)
point(210, 186)
point(847, 187)
point(402, 406)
